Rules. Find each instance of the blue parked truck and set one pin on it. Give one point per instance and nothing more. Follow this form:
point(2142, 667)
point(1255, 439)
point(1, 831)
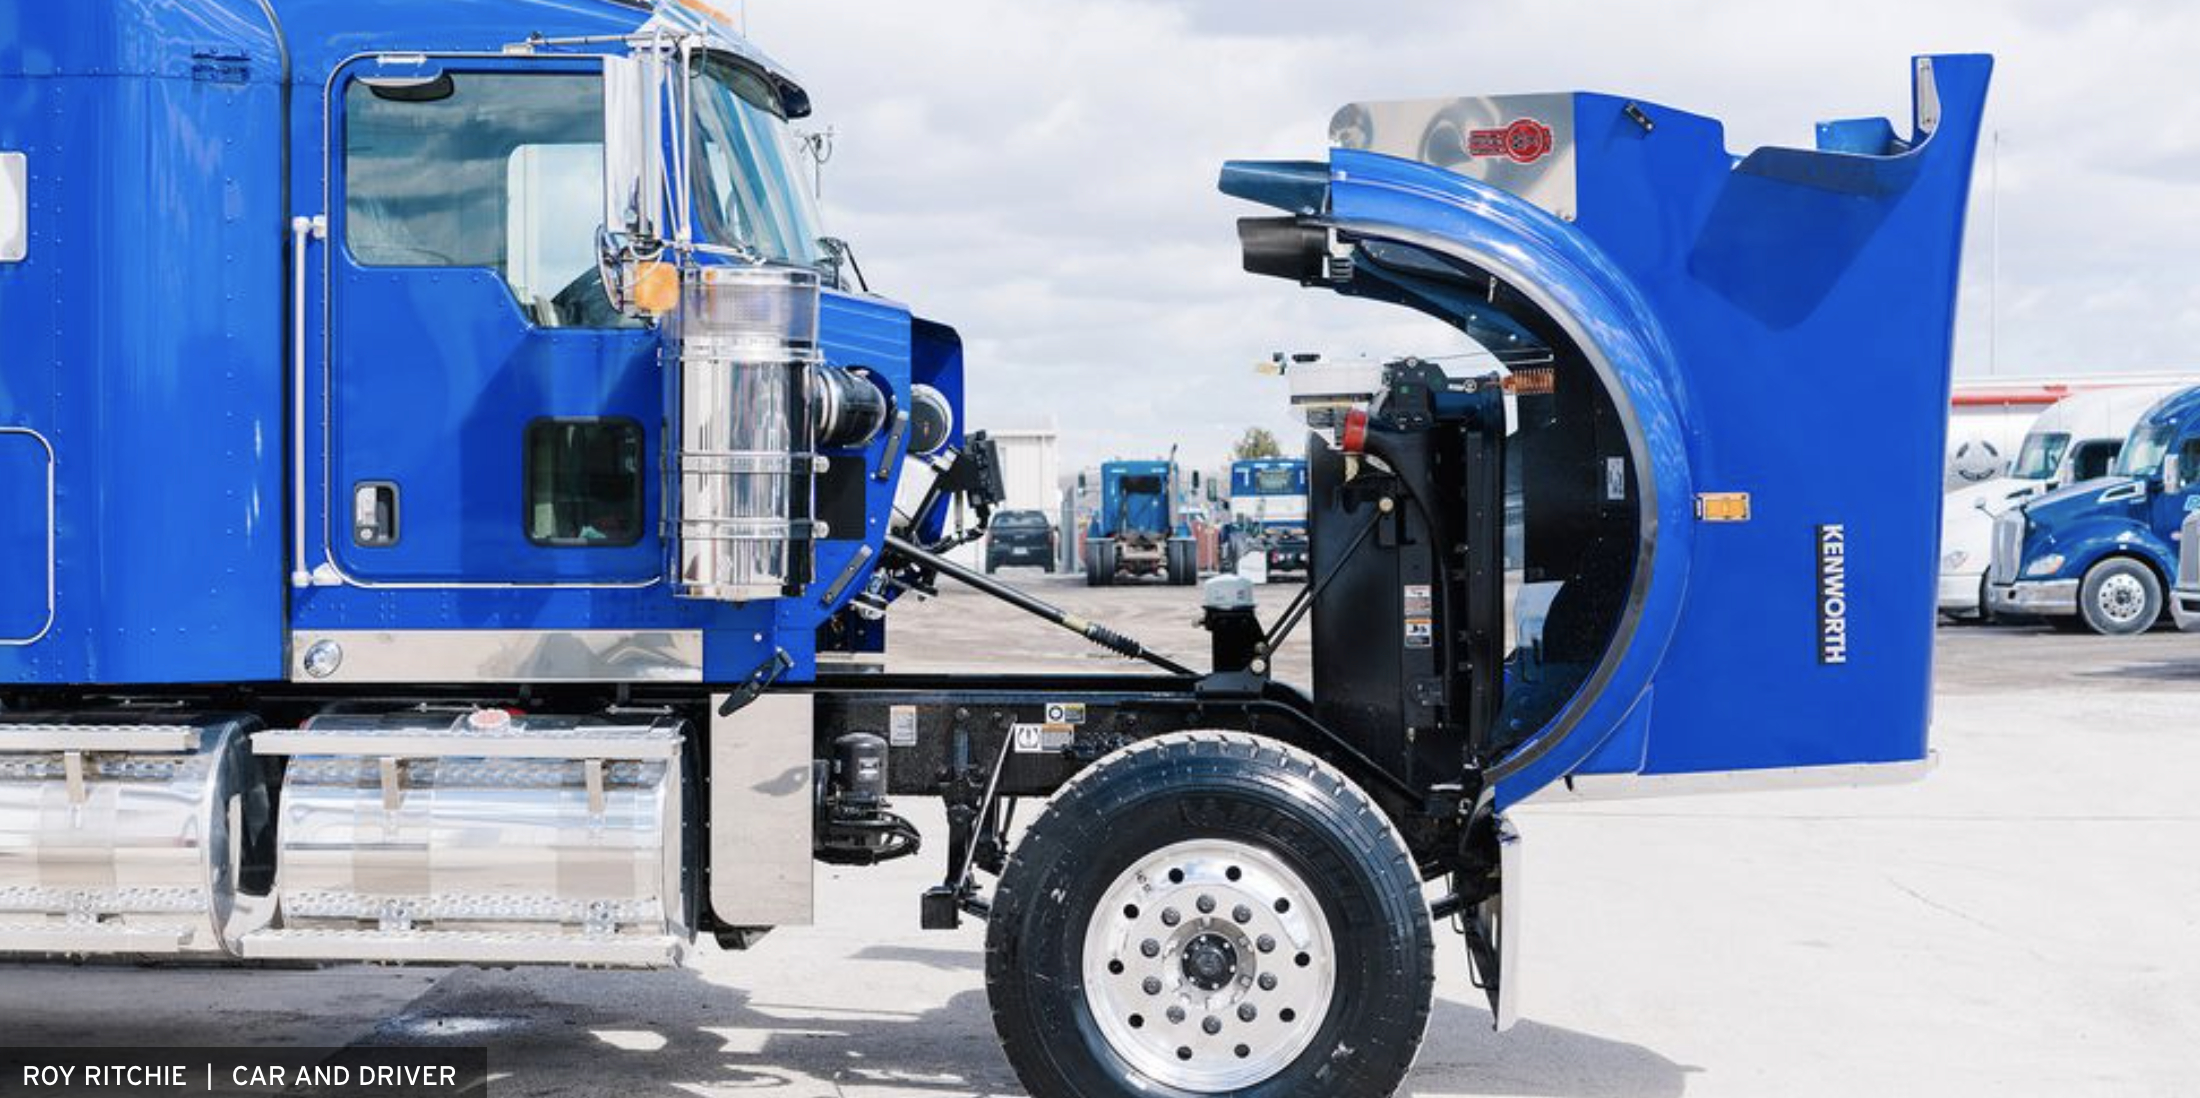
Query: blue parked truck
point(1136, 529)
point(2102, 555)
point(433, 525)
point(1267, 516)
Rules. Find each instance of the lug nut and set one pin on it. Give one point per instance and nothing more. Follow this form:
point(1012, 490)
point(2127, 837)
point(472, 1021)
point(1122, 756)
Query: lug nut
point(1152, 985)
point(1266, 944)
point(1247, 1012)
point(1242, 914)
point(1169, 917)
point(1150, 948)
point(1212, 1026)
point(1206, 905)
point(1176, 1014)
point(1268, 981)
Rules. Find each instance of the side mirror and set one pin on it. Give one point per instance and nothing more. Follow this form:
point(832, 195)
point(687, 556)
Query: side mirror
point(633, 148)
point(1195, 480)
point(2172, 480)
point(1081, 482)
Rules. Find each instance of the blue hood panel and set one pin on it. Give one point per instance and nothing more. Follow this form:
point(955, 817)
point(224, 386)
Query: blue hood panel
point(1716, 296)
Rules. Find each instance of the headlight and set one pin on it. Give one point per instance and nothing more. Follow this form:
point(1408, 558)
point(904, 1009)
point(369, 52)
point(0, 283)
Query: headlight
point(1953, 560)
point(2045, 566)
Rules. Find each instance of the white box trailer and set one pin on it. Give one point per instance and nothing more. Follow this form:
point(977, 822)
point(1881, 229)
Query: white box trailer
point(1989, 416)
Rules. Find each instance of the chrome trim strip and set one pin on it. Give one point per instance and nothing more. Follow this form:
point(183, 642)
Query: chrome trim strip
point(1625, 787)
point(504, 655)
point(53, 527)
point(761, 860)
point(449, 947)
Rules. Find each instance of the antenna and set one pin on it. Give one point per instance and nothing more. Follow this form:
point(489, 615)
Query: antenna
point(1993, 253)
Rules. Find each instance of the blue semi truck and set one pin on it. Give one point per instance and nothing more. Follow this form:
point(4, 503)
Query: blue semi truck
point(1267, 517)
point(1137, 527)
point(2102, 555)
point(472, 448)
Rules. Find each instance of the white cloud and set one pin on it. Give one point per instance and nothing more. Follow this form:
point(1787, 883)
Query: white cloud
point(1040, 173)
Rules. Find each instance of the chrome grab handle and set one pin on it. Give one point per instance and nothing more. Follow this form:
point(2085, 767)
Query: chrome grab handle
point(302, 231)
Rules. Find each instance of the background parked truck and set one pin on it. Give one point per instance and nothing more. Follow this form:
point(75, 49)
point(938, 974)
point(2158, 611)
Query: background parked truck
point(1138, 529)
point(2101, 554)
point(1266, 537)
point(2075, 440)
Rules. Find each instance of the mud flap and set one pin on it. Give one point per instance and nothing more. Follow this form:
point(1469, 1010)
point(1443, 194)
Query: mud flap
point(1493, 933)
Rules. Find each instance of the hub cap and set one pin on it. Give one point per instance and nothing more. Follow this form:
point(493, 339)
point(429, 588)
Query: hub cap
point(2121, 599)
point(1209, 965)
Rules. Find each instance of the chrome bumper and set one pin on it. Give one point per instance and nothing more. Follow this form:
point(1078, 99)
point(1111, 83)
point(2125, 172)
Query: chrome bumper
point(2053, 597)
point(2187, 598)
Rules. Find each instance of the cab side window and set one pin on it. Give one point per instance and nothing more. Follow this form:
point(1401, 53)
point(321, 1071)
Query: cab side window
point(501, 170)
point(2188, 464)
point(2093, 459)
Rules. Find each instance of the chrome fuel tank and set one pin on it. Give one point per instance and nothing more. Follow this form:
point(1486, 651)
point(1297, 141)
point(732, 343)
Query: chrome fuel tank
point(482, 836)
point(129, 834)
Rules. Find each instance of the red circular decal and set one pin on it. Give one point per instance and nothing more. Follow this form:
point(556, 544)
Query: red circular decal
point(1527, 141)
point(1524, 141)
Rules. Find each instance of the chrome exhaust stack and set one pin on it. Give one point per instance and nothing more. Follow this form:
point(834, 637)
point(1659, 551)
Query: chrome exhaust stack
point(132, 835)
point(482, 837)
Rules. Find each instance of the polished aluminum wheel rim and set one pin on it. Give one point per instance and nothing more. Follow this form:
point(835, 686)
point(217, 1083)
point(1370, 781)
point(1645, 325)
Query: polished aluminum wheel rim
point(1209, 965)
point(2121, 598)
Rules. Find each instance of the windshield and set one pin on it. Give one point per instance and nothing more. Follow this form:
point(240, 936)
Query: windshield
point(2038, 457)
point(2143, 451)
point(748, 193)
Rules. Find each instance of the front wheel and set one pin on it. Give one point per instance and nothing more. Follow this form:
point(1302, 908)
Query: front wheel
point(1210, 913)
point(2120, 596)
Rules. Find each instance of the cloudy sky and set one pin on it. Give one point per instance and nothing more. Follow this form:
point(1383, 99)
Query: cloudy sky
point(1040, 173)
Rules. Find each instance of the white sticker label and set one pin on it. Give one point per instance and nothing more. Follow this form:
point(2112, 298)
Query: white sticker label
point(15, 207)
point(1419, 612)
point(1042, 739)
point(901, 726)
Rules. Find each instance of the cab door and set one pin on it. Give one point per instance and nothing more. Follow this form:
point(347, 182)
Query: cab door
point(490, 418)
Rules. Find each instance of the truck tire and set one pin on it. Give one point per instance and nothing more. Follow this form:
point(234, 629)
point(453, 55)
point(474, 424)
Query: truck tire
point(1182, 562)
point(1210, 913)
point(2120, 596)
point(1100, 563)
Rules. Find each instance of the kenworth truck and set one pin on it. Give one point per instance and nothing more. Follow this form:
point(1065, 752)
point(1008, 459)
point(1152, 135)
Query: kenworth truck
point(447, 492)
point(1137, 529)
point(2101, 555)
point(1266, 537)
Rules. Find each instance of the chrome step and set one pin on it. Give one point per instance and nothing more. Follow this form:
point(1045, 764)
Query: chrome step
point(97, 940)
point(464, 947)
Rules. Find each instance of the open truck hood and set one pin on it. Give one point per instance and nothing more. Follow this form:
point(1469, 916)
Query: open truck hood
point(1709, 296)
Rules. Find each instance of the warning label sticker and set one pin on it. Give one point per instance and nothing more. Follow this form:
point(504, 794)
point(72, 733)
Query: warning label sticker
point(1420, 615)
point(901, 726)
point(1042, 739)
